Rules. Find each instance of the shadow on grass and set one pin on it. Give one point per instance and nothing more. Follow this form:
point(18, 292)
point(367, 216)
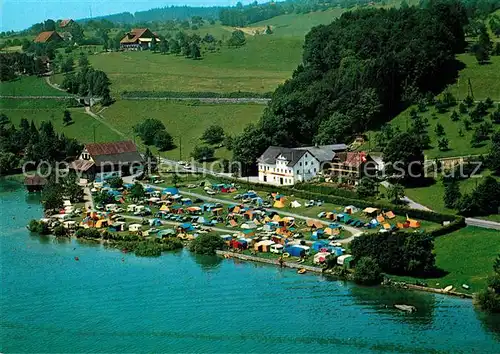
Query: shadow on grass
point(420, 183)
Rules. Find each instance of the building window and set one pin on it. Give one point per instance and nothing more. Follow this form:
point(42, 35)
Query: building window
point(300, 163)
point(308, 171)
point(314, 169)
point(306, 163)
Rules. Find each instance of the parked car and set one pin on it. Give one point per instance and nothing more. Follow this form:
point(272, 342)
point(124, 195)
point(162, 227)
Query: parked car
point(211, 192)
point(309, 204)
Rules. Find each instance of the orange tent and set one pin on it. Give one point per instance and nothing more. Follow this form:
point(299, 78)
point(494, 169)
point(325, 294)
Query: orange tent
point(279, 204)
point(400, 225)
point(165, 208)
point(233, 223)
point(314, 223)
point(380, 218)
point(414, 223)
point(276, 218)
point(390, 215)
point(387, 226)
point(236, 210)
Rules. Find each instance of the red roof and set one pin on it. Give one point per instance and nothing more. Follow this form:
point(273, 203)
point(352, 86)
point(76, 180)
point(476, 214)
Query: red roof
point(353, 159)
point(135, 34)
point(35, 180)
point(65, 22)
point(113, 148)
point(43, 37)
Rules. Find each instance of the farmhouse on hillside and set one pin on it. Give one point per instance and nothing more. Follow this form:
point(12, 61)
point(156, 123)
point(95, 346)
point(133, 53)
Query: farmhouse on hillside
point(287, 166)
point(138, 39)
point(351, 166)
point(66, 23)
point(48, 36)
point(101, 161)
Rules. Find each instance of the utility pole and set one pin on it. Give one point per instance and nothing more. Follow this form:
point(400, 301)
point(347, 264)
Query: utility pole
point(180, 147)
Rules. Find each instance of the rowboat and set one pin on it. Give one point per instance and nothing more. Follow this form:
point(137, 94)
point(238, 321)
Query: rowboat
point(301, 271)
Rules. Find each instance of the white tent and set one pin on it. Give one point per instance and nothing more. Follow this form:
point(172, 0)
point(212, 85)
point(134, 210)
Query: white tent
point(131, 207)
point(249, 225)
point(320, 257)
point(295, 204)
point(134, 227)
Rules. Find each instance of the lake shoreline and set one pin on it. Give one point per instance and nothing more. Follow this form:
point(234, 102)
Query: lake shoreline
point(318, 270)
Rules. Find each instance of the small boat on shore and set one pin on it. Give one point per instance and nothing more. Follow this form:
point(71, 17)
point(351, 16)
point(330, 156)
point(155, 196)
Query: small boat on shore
point(406, 308)
point(448, 288)
point(301, 271)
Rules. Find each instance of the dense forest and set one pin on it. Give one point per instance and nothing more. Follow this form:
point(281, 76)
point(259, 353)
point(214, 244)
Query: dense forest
point(161, 14)
point(28, 143)
point(359, 72)
point(240, 15)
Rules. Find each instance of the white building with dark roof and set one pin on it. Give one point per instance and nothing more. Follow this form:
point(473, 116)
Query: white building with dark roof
point(287, 166)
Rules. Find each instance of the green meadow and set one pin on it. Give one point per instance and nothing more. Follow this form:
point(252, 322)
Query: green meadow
point(485, 82)
point(259, 66)
point(466, 256)
point(82, 129)
point(432, 196)
point(185, 121)
point(29, 86)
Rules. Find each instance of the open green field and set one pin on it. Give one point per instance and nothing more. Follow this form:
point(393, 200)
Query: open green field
point(29, 86)
point(297, 25)
point(485, 80)
point(432, 196)
point(182, 119)
point(82, 129)
point(467, 256)
point(259, 66)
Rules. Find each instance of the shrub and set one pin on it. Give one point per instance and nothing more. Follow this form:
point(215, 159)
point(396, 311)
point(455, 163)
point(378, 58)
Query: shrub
point(38, 227)
point(367, 272)
point(60, 231)
point(206, 244)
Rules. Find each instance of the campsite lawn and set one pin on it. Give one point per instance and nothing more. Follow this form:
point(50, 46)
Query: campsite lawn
point(82, 129)
point(185, 120)
point(311, 212)
point(467, 256)
point(259, 66)
point(29, 86)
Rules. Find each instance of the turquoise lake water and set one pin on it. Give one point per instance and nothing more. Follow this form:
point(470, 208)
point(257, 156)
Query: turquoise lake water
point(180, 303)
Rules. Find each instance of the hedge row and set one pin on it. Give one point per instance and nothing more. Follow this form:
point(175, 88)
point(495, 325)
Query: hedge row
point(196, 94)
point(456, 222)
point(326, 190)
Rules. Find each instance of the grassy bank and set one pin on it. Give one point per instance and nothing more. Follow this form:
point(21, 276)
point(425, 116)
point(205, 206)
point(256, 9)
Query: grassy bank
point(185, 120)
point(466, 257)
point(29, 86)
point(82, 129)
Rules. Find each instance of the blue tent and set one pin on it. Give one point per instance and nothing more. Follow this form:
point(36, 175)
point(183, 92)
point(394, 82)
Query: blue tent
point(171, 190)
point(155, 222)
point(128, 185)
point(294, 250)
point(149, 190)
point(186, 226)
point(316, 246)
point(337, 251)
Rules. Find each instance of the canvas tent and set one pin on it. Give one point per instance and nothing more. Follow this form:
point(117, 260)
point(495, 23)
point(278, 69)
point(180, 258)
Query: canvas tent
point(295, 204)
